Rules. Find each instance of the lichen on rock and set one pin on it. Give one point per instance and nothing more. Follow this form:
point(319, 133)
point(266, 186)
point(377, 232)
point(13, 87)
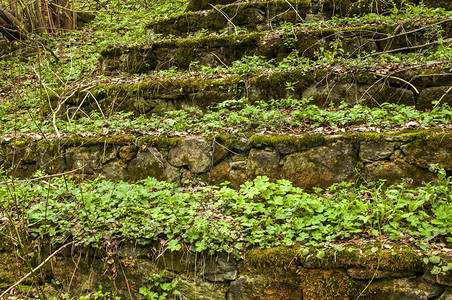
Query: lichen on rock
point(150, 163)
point(321, 166)
point(193, 152)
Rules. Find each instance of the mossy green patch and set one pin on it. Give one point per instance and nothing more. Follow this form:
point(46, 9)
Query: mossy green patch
point(301, 142)
point(278, 257)
point(369, 256)
point(161, 142)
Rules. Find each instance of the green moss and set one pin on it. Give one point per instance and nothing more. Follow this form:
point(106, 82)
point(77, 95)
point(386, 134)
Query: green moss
point(161, 142)
point(229, 81)
point(277, 257)
point(81, 141)
point(421, 136)
point(326, 278)
point(398, 258)
point(279, 79)
point(21, 143)
point(329, 284)
point(120, 140)
point(301, 142)
point(365, 136)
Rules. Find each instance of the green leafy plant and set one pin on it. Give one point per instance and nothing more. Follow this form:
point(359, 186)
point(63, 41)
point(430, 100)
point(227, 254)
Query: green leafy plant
point(289, 37)
point(159, 288)
point(261, 213)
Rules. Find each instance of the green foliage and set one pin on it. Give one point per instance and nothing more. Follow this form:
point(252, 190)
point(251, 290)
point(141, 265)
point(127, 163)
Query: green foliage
point(332, 54)
point(261, 213)
point(237, 116)
point(96, 295)
point(160, 288)
point(443, 51)
point(289, 37)
point(251, 65)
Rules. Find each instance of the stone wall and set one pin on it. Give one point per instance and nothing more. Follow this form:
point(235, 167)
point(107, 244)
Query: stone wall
point(342, 7)
point(312, 160)
point(325, 87)
point(216, 51)
point(395, 272)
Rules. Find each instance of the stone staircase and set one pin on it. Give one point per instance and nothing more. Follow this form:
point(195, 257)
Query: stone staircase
point(219, 37)
point(301, 159)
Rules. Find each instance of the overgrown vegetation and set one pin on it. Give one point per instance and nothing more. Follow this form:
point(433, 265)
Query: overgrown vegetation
point(240, 116)
point(200, 218)
point(261, 213)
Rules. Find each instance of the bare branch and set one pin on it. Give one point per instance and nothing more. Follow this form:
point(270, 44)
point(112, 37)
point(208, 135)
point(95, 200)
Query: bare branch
point(442, 97)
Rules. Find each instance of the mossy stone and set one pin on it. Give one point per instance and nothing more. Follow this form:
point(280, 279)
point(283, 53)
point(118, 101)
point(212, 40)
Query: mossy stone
point(225, 171)
point(263, 163)
point(434, 149)
point(193, 152)
point(150, 163)
point(370, 151)
point(402, 288)
point(321, 166)
point(395, 171)
point(194, 5)
point(86, 159)
point(329, 284)
point(12, 269)
point(220, 268)
point(116, 170)
point(201, 290)
point(264, 287)
point(428, 95)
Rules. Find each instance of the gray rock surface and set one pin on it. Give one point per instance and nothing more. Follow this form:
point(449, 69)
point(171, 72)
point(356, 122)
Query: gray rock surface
point(447, 295)
point(362, 273)
point(85, 158)
point(201, 290)
point(404, 288)
point(395, 171)
point(433, 151)
point(116, 170)
point(321, 166)
point(370, 151)
point(193, 152)
point(150, 163)
point(263, 163)
point(430, 94)
point(220, 268)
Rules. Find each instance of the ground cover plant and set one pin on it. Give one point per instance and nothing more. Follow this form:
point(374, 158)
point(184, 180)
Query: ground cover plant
point(217, 218)
point(238, 117)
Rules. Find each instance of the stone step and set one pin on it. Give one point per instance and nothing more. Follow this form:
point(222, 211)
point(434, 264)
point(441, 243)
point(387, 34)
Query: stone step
point(260, 15)
point(311, 160)
point(213, 51)
point(395, 271)
point(228, 19)
point(414, 86)
point(344, 6)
